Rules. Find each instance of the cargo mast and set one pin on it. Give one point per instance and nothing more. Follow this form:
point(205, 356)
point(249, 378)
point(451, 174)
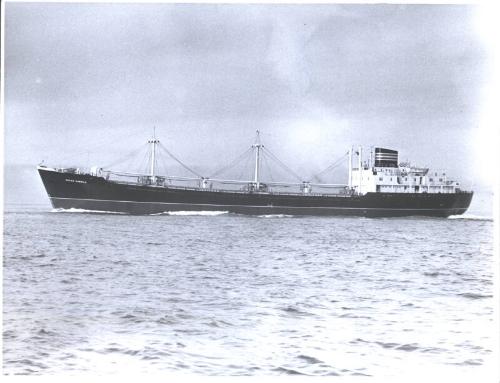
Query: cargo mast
point(360, 170)
point(257, 146)
point(153, 143)
point(350, 168)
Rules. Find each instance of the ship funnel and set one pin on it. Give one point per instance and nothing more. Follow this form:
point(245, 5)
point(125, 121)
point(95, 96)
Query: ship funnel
point(386, 158)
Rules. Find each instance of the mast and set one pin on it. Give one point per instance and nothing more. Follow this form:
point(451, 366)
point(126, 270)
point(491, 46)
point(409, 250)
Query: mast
point(360, 165)
point(258, 146)
point(350, 168)
point(153, 143)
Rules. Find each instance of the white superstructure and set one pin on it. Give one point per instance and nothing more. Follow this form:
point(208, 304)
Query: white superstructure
point(383, 174)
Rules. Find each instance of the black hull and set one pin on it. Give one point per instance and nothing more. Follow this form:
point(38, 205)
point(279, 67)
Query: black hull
point(81, 191)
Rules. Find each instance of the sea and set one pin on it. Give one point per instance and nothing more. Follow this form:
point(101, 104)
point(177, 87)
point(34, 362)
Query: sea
point(217, 294)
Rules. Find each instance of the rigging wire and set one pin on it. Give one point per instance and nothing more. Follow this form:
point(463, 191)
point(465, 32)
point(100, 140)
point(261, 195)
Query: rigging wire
point(131, 163)
point(246, 165)
point(165, 166)
point(109, 138)
point(268, 168)
point(232, 164)
point(179, 161)
point(285, 167)
point(128, 156)
point(136, 161)
point(245, 156)
point(165, 170)
point(336, 163)
point(145, 159)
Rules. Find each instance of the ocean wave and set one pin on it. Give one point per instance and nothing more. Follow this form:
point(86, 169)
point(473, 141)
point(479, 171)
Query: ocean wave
point(409, 347)
point(296, 312)
point(472, 217)
point(194, 212)
point(310, 359)
point(75, 210)
point(287, 371)
point(475, 295)
point(432, 273)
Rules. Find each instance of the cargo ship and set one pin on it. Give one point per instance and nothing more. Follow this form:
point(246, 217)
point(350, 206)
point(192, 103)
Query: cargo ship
point(379, 186)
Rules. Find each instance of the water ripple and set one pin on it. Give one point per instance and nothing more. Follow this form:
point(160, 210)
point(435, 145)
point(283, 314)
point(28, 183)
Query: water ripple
point(236, 295)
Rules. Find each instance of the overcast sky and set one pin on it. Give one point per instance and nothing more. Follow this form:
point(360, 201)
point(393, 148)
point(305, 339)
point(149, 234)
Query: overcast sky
point(88, 82)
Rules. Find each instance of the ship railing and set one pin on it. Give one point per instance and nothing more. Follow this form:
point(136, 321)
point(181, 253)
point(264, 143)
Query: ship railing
point(178, 187)
point(73, 170)
point(222, 181)
point(135, 175)
point(165, 183)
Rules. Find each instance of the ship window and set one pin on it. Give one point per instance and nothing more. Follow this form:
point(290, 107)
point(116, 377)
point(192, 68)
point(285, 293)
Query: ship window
point(391, 178)
point(380, 179)
point(415, 179)
point(430, 179)
point(406, 178)
point(440, 180)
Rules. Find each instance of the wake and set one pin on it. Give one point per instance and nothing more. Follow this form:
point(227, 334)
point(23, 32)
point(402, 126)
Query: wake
point(471, 217)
